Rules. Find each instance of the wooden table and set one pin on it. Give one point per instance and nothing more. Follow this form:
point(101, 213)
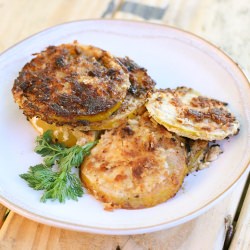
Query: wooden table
point(224, 23)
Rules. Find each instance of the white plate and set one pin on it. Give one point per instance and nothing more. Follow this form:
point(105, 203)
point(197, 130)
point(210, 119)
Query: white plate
point(173, 58)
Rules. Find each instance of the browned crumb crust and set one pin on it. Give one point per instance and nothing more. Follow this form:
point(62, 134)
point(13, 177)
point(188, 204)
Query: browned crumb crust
point(139, 164)
point(187, 113)
point(141, 84)
point(65, 82)
point(202, 108)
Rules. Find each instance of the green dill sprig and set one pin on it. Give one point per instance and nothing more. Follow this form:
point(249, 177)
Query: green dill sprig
point(54, 176)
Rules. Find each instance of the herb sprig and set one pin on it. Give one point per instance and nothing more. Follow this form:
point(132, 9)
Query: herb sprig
point(55, 175)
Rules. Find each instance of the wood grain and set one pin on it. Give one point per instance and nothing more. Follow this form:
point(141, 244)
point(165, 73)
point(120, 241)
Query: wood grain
point(3, 211)
point(22, 18)
point(241, 239)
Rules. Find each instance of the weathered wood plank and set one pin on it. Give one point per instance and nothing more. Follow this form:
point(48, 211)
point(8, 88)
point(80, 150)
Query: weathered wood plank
point(22, 18)
point(241, 238)
point(3, 211)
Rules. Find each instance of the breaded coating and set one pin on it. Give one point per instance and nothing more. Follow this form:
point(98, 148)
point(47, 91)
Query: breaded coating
point(187, 113)
point(141, 84)
point(139, 164)
point(71, 83)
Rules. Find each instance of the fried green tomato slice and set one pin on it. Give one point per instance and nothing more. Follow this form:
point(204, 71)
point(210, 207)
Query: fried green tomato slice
point(137, 165)
point(187, 113)
point(141, 85)
point(70, 83)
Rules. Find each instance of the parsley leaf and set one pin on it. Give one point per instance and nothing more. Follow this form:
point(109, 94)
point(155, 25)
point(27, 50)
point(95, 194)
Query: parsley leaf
point(55, 176)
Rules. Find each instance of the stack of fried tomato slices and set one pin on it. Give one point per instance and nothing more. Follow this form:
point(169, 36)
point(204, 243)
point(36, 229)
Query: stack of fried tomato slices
point(73, 88)
point(149, 139)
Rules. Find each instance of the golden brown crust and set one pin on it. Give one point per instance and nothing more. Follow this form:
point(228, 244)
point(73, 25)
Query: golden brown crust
point(187, 113)
point(139, 164)
point(67, 82)
point(141, 84)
